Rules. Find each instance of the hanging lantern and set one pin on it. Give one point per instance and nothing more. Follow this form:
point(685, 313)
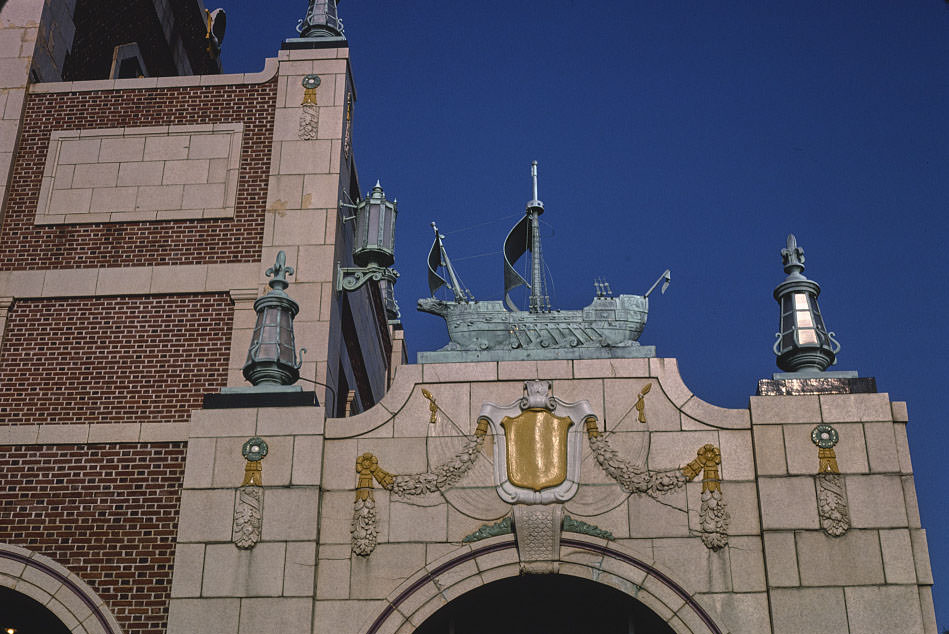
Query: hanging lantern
point(803, 342)
point(373, 244)
point(272, 358)
point(321, 20)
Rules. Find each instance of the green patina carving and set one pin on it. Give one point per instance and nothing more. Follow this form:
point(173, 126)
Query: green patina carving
point(571, 525)
point(502, 527)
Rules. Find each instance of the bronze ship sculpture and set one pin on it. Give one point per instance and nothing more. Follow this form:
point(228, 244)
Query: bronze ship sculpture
point(499, 331)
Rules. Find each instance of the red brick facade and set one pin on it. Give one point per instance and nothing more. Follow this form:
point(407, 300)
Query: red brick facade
point(26, 246)
point(124, 359)
point(108, 512)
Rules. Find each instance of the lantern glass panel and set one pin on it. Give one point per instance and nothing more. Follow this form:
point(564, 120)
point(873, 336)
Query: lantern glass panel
point(267, 351)
point(372, 237)
point(387, 229)
point(800, 301)
point(806, 336)
point(804, 319)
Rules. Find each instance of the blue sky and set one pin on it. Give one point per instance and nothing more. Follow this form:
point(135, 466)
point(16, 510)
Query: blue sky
point(685, 135)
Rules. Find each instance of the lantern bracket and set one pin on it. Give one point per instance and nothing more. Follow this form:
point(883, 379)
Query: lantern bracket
point(351, 278)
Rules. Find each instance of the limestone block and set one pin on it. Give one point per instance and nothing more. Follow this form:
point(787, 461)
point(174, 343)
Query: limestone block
point(374, 577)
point(603, 368)
point(203, 196)
point(573, 390)
point(912, 504)
point(884, 610)
point(788, 502)
point(928, 610)
point(738, 461)
point(410, 522)
point(615, 520)
point(208, 616)
point(673, 449)
point(898, 562)
point(476, 371)
point(275, 615)
point(232, 572)
point(332, 578)
point(301, 421)
point(769, 450)
point(688, 558)
point(113, 199)
point(316, 262)
point(741, 499)
point(781, 554)
point(78, 151)
point(337, 515)
point(847, 408)
point(121, 150)
point(809, 610)
point(331, 122)
point(902, 447)
point(158, 197)
point(900, 414)
point(189, 566)
point(532, 370)
point(500, 393)
point(802, 452)
point(853, 558)
point(95, 175)
point(70, 201)
point(453, 575)
point(297, 226)
point(290, 514)
point(620, 396)
point(207, 515)
point(715, 416)
point(400, 456)
point(209, 146)
point(306, 157)
point(881, 447)
point(343, 617)
point(212, 423)
point(921, 553)
point(658, 597)
point(667, 371)
point(199, 464)
point(876, 501)
point(183, 172)
point(165, 148)
point(142, 173)
point(744, 613)
point(665, 517)
point(307, 460)
point(339, 464)
point(785, 409)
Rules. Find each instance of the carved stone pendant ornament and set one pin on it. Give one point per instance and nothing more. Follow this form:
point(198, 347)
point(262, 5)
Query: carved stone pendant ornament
point(310, 114)
point(538, 461)
point(832, 506)
point(249, 507)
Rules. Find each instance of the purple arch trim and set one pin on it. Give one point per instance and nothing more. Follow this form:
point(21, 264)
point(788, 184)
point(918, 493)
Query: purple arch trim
point(603, 550)
point(66, 581)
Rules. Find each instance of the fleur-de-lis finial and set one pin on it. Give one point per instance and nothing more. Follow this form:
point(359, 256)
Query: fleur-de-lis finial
point(279, 271)
point(793, 256)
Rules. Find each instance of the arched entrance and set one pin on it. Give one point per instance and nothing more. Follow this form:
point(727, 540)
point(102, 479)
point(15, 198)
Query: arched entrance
point(27, 615)
point(56, 590)
point(545, 604)
point(598, 561)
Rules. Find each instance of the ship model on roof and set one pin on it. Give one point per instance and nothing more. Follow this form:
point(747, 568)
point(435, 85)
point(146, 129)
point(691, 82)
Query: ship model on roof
point(498, 331)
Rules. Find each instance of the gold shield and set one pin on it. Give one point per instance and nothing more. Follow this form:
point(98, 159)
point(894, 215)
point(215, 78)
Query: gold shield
point(536, 442)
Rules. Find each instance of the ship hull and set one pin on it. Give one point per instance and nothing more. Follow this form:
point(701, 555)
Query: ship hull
point(609, 325)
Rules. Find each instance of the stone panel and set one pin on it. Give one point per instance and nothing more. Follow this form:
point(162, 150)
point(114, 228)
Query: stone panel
point(208, 616)
point(769, 450)
point(788, 503)
point(874, 610)
point(131, 170)
point(232, 572)
point(898, 561)
point(851, 559)
point(374, 577)
point(781, 554)
point(809, 610)
point(876, 501)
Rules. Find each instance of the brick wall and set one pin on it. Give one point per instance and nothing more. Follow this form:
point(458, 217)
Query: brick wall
point(26, 246)
point(113, 359)
point(108, 512)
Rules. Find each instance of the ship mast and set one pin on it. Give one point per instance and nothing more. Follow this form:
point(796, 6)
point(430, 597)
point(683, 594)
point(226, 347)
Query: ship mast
point(539, 302)
point(455, 284)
